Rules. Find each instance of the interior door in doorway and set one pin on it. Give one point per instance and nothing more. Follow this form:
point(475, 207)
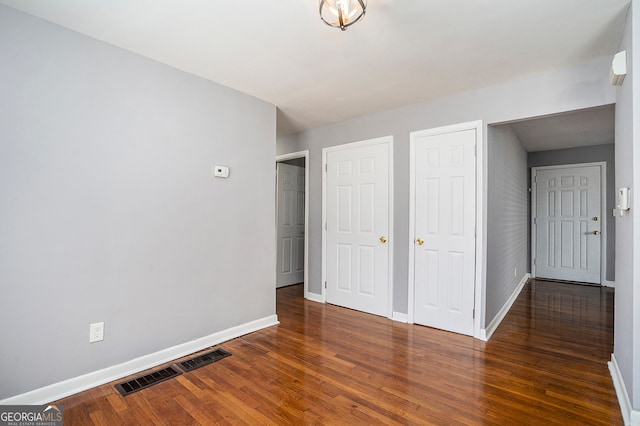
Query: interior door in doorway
point(357, 214)
point(445, 216)
point(290, 230)
point(567, 223)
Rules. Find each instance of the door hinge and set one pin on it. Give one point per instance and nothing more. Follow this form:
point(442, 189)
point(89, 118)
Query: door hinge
point(534, 260)
point(475, 150)
point(326, 167)
point(325, 226)
point(325, 284)
point(474, 313)
point(475, 232)
point(535, 221)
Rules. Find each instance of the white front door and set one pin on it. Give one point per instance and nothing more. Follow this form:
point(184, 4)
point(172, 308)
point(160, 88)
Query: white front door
point(357, 227)
point(445, 219)
point(567, 223)
point(290, 231)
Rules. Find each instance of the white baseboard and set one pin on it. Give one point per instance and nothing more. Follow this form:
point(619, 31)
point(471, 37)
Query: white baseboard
point(314, 297)
point(74, 385)
point(400, 317)
point(486, 333)
point(607, 283)
point(630, 416)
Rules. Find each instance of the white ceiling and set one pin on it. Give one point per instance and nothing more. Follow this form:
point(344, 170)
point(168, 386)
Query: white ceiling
point(405, 51)
point(595, 126)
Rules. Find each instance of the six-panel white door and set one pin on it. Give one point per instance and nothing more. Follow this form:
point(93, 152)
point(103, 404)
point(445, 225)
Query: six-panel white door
point(445, 215)
point(567, 223)
point(290, 230)
point(357, 214)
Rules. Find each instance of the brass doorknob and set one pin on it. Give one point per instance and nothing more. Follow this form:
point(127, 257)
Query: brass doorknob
point(419, 241)
point(596, 232)
point(383, 239)
point(595, 218)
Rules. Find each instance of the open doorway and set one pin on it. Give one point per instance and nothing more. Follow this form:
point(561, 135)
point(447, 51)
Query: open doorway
point(550, 143)
point(292, 188)
point(513, 149)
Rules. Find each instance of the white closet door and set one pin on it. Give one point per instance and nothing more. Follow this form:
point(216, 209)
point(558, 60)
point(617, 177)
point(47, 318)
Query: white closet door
point(357, 208)
point(445, 215)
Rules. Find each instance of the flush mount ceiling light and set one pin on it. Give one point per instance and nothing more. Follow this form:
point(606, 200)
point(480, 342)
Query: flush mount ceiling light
point(342, 13)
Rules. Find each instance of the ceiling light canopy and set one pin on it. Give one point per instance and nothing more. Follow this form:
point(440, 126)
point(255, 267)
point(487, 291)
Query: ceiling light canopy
point(342, 13)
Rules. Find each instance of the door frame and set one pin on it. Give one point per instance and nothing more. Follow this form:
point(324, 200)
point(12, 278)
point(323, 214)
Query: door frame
point(603, 212)
point(364, 143)
point(480, 256)
point(293, 156)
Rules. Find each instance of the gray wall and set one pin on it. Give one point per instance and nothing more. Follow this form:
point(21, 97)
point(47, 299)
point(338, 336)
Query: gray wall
point(287, 144)
point(507, 220)
point(627, 304)
point(587, 154)
point(563, 90)
point(109, 211)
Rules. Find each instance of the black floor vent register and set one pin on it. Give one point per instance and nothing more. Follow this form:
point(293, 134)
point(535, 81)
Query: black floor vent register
point(158, 376)
point(202, 360)
point(143, 382)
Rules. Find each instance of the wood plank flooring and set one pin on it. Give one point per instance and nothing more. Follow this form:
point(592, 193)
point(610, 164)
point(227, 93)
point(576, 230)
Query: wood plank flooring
point(546, 364)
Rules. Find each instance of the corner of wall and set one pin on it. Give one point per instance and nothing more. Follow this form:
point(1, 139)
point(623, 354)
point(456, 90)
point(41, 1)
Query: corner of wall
point(630, 416)
point(314, 297)
point(486, 333)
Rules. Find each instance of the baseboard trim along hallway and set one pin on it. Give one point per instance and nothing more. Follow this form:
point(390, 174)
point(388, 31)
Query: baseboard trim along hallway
point(72, 386)
point(486, 333)
point(630, 416)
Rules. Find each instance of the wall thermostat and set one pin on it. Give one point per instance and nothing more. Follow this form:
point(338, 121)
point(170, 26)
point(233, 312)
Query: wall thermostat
point(623, 199)
point(221, 171)
point(624, 203)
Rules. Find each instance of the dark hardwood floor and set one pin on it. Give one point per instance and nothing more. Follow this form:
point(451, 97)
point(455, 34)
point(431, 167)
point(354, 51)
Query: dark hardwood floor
point(545, 365)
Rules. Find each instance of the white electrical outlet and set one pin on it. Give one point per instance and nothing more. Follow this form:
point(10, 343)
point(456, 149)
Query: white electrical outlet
point(96, 332)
